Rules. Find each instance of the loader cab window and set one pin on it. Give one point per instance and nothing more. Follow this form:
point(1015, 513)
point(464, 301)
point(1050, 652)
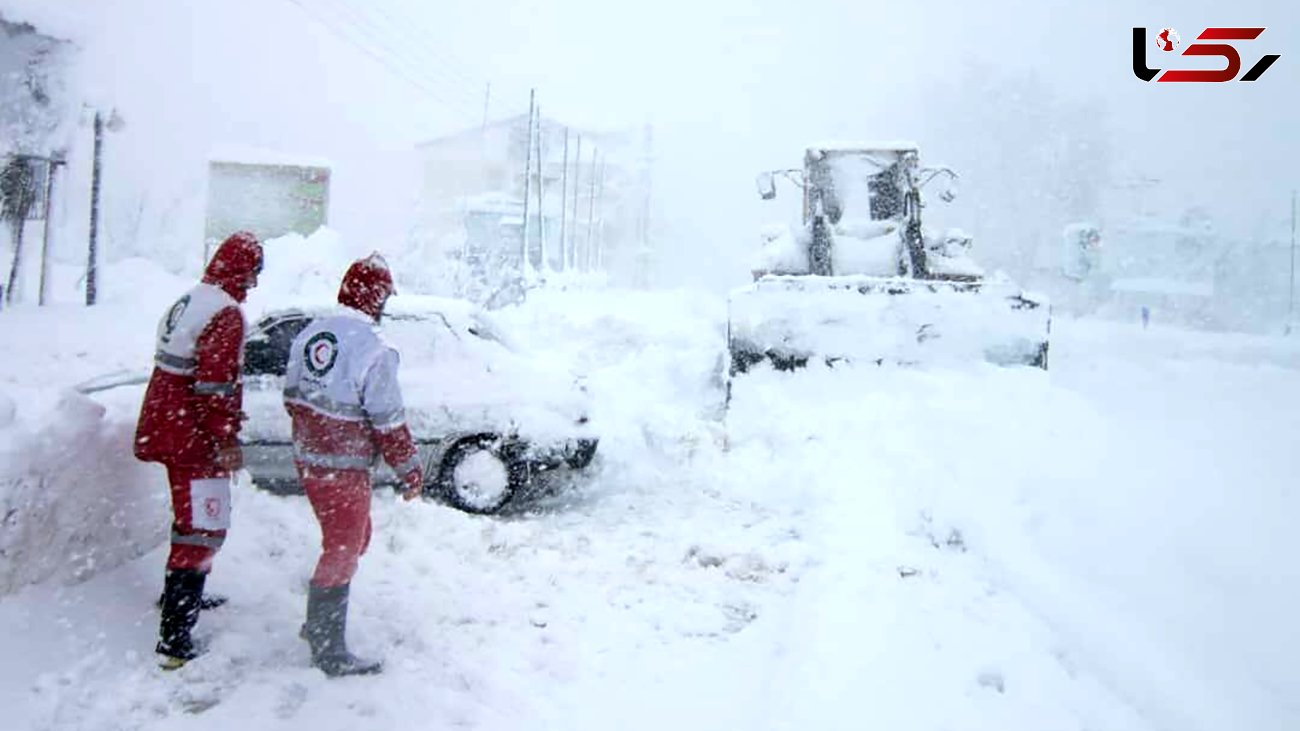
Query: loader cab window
point(266, 351)
point(886, 194)
point(862, 186)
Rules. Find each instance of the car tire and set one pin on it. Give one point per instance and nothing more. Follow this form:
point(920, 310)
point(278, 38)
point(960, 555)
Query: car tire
point(582, 454)
point(479, 475)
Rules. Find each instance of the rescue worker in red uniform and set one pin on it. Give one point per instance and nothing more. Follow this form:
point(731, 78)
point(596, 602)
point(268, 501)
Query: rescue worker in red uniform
point(342, 394)
point(189, 421)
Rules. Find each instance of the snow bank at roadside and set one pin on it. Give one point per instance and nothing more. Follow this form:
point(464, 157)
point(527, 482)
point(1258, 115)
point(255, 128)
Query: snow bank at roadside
point(74, 500)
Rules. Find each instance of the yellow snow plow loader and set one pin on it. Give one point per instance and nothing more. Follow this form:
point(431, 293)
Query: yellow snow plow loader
point(862, 281)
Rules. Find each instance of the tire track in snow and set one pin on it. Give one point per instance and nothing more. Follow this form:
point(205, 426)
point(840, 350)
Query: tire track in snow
point(862, 643)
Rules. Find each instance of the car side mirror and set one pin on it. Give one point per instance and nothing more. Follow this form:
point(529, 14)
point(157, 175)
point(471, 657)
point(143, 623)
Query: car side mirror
point(766, 186)
point(946, 188)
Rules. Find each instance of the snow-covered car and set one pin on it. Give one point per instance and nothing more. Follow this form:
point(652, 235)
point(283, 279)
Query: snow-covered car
point(488, 420)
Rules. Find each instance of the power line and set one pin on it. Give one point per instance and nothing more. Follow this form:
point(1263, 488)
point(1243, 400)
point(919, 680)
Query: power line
point(362, 24)
point(446, 60)
point(396, 60)
point(382, 60)
point(404, 31)
point(447, 65)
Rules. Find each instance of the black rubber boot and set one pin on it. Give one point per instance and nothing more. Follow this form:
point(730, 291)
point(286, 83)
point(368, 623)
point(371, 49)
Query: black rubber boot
point(206, 602)
point(182, 595)
point(326, 629)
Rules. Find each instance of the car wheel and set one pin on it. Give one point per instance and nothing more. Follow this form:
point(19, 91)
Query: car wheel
point(478, 476)
point(581, 453)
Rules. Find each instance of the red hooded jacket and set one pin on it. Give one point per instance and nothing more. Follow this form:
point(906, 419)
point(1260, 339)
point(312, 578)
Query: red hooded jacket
point(191, 408)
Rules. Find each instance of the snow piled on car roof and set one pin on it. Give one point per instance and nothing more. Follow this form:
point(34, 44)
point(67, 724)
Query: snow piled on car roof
point(303, 271)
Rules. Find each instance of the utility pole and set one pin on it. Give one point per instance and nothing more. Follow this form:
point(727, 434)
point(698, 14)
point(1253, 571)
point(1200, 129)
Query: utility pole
point(528, 170)
point(643, 255)
point(96, 169)
point(541, 214)
point(645, 188)
point(564, 203)
point(577, 177)
point(600, 221)
point(1290, 307)
point(591, 211)
point(51, 166)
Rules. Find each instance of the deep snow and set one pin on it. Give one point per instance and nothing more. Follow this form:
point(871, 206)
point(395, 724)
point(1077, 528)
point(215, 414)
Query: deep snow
point(1104, 546)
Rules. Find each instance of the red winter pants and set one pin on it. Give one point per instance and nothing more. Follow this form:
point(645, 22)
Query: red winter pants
point(192, 548)
point(341, 501)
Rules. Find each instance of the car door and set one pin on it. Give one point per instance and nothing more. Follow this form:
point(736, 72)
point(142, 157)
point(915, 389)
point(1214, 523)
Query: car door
point(266, 435)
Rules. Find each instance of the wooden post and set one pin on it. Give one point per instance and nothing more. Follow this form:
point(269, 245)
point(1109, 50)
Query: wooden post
point(93, 249)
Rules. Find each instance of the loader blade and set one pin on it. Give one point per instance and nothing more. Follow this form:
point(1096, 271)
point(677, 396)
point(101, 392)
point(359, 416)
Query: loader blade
point(789, 321)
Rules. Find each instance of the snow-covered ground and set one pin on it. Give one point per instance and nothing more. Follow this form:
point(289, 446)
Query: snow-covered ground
point(1104, 546)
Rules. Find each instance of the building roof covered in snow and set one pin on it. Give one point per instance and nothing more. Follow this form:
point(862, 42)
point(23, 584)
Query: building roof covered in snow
point(242, 155)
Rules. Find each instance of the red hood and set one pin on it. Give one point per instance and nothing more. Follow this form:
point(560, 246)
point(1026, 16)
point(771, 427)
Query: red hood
point(235, 265)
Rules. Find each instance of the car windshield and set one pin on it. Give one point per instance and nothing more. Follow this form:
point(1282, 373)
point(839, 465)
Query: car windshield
point(477, 325)
point(266, 351)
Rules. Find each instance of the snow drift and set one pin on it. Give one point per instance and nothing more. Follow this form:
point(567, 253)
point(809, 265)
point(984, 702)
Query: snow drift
point(74, 500)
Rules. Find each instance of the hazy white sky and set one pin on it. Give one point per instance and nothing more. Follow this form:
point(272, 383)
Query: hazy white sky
point(736, 86)
point(732, 86)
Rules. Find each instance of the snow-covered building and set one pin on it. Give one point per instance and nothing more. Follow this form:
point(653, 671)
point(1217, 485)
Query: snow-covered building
point(1168, 268)
point(1179, 300)
point(585, 193)
point(269, 193)
point(1173, 269)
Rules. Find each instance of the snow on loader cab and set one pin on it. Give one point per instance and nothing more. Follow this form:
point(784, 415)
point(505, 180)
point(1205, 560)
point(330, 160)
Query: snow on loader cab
point(864, 282)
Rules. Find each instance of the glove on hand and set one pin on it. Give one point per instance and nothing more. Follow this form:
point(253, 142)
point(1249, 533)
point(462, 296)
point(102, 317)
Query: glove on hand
point(414, 481)
point(230, 458)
